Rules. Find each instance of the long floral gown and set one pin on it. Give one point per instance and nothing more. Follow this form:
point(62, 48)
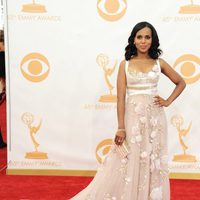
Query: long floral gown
point(143, 174)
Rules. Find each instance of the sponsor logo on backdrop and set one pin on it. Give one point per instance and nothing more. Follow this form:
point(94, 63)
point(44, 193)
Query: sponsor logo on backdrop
point(35, 67)
point(191, 8)
point(101, 106)
point(184, 166)
point(103, 61)
point(34, 10)
point(107, 100)
point(185, 13)
point(102, 149)
point(189, 67)
point(28, 120)
point(177, 122)
point(35, 163)
point(112, 10)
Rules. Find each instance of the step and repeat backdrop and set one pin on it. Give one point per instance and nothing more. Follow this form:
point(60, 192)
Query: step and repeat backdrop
point(1, 14)
point(62, 63)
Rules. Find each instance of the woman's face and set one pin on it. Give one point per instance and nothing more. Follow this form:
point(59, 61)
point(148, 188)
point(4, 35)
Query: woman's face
point(143, 40)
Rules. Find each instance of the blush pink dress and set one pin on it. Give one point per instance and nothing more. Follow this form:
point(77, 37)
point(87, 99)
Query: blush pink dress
point(143, 174)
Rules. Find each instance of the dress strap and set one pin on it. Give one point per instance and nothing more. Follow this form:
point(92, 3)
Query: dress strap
point(126, 66)
point(158, 64)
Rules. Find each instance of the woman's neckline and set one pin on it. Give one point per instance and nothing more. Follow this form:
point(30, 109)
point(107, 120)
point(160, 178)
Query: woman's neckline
point(155, 66)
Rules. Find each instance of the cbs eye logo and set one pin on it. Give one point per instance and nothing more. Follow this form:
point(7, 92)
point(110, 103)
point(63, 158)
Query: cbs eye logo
point(111, 10)
point(189, 67)
point(102, 149)
point(35, 67)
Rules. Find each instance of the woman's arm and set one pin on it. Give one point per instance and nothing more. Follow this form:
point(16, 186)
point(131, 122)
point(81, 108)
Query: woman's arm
point(176, 79)
point(2, 90)
point(121, 94)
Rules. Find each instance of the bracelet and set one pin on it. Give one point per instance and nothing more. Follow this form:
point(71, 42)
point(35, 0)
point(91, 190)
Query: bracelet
point(121, 129)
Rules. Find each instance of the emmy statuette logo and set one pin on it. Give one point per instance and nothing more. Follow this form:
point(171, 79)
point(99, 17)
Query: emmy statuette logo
point(34, 8)
point(102, 149)
point(190, 9)
point(28, 119)
point(103, 61)
point(35, 67)
point(177, 121)
point(188, 70)
point(111, 10)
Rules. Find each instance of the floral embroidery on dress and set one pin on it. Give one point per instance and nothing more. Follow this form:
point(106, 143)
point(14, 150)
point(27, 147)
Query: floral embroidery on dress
point(154, 121)
point(153, 73)
point(88, 197)
point(127, 180)
point(124, 160)
point(123, 166)
point(143, 154)
point(135, 130)
point(109, 197)
point(156, 193)
point(136, 137)
point(155, 68)
point(153, 134)
point(143, 119)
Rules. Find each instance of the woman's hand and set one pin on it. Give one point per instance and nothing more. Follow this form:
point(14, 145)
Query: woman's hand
point(160, 101)
point(119, 137)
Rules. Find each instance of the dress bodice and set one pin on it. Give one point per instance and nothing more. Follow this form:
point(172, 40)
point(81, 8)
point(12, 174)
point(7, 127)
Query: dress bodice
point(142, 82)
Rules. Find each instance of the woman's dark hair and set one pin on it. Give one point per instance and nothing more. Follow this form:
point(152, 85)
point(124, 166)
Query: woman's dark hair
point(154, 51)
point(1, 36)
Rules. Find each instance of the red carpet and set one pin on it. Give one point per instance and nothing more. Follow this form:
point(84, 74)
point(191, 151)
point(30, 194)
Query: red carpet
point(61, 187)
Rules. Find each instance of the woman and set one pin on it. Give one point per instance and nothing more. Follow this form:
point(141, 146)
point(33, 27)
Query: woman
point(2, 81)
point(143, 173)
